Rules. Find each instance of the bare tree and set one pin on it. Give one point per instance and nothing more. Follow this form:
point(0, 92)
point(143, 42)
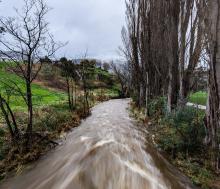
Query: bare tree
point(122, 74)
point(191, 43)
point(26, 39)
point(131, 49)
point(162, 42)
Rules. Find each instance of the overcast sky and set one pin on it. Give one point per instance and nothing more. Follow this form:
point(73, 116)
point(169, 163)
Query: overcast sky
point(86, 24)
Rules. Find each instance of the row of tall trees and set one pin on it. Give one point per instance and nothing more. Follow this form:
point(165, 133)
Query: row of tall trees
point(164, 42)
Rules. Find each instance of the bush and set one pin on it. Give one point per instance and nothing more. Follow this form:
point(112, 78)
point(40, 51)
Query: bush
point(157, 106)
point(50, 119)
point(2, 132)
point(183, 131)
point(181, 135)
point(47, 71)
point(200, 175)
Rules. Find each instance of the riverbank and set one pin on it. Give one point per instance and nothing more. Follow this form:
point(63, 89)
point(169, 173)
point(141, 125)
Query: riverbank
point(50, 127)
point(52, 118)
point(175, 136)
point(108, 150)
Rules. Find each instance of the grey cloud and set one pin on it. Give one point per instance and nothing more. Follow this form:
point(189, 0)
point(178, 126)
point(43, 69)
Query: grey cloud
point(87, 24)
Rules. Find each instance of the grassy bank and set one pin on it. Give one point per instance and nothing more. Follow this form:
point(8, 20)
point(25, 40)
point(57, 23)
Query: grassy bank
point(180, 136)
point(42, 96)
point(52, 118)
point(199, 97)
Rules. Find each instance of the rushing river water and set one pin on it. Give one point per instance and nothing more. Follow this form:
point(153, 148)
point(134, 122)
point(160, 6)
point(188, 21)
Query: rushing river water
point(107, 151)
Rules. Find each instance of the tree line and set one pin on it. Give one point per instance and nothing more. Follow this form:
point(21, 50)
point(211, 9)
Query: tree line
point(164, 42)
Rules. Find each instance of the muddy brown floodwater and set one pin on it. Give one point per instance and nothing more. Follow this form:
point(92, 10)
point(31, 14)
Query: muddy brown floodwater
point(107, 151)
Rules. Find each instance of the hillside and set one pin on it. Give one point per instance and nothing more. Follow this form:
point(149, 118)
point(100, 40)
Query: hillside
point(49, 88)
point(52, 116)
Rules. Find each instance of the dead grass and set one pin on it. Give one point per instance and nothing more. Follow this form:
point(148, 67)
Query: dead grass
point(60, 121)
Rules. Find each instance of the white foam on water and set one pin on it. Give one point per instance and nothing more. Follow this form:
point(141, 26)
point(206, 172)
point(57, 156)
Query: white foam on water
point(103, 142)
point(155, 181)
point(84, 138)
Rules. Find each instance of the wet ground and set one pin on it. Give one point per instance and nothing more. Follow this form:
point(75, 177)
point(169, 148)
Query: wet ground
point(107, 151)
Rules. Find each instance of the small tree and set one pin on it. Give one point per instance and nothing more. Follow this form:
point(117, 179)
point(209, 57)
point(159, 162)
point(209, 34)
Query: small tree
point(123, 76)
point(106, 66)
point(26, 39)
point(86, 71)
point(71, 76)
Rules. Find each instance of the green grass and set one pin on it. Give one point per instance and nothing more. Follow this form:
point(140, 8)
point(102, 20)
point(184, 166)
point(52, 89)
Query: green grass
point(199, 98)
point(41, 96)
point(111, 92)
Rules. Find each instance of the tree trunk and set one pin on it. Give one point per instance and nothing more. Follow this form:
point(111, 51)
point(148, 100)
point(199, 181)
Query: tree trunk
point(30, 112)
point(75, 94)
point(68, 92)
point(213, 109)
point(185, 10)
point(142, 94)
point(173, 21)
point(72, 98)
point(6, 116)
point(147, 95)
point(16, 130)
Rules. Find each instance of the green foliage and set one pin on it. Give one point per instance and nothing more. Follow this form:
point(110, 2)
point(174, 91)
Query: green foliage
point(181, 135)
point(111, 92)
point(86, 70)
point(200, 175)
point(199, 98)
point(69, 69)
point(183, 131)
point(51, 119)
point(104, 76)
point(157, 106)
